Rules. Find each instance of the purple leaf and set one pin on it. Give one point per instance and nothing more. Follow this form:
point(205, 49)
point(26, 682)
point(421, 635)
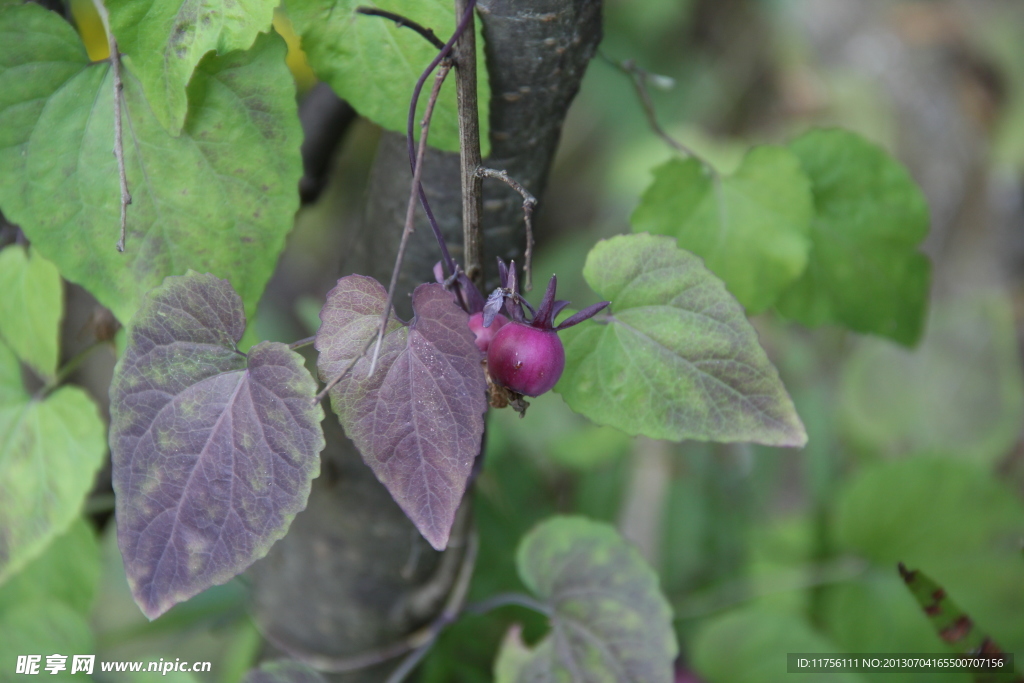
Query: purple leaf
point(213, 452)
point(418, 420)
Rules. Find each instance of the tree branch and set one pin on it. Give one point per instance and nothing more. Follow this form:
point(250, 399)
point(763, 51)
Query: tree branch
point(469, 147)
point(115, 65)
point(529, 204)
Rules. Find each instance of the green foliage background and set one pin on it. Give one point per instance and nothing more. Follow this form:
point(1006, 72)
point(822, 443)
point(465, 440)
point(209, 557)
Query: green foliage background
point(901, 348)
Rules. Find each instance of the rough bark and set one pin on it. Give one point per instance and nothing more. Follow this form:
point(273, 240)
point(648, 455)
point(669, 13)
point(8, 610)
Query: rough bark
point(353, 575)
point(342, 582)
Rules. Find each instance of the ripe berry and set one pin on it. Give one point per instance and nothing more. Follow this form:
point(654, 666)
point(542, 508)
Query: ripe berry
point(484, 335)
point(526, 359)
point(526, 356)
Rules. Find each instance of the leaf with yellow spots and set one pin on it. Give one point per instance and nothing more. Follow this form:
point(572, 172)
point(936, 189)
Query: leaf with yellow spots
point(220, 197)
point(609, 619)
point(166, 40)
point(677, 358)
point(213, 451)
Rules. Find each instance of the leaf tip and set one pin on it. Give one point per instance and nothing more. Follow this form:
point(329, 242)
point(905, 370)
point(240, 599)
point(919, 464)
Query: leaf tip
point(436, 533)
point(792, 435)
point(799, 439)
point(151, 603)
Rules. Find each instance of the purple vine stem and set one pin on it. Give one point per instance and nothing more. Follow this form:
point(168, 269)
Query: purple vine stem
point(446, 256)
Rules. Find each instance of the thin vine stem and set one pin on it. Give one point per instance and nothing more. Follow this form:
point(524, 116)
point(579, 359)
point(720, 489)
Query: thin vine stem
point(302, 342)
point(416, 163)
point(363, 660)
point(507, 599)
point(65, 370)
point(407, 230)
point(411, 661)
point(341, 375)
point(410, 212)
point(454, 607)
point(640, 77)
point(115, 65)
point(446, 257)
point(403, 22)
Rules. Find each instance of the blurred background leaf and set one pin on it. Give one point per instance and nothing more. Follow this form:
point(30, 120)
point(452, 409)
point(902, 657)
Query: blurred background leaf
point(960, 393)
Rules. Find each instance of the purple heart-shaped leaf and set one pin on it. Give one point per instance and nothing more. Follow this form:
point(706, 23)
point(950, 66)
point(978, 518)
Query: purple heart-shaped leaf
point(213, 451)
point(418, 419)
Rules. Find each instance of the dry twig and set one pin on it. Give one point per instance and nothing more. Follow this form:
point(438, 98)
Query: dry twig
point(410, 212)
point(529, 204)
point(115, 65)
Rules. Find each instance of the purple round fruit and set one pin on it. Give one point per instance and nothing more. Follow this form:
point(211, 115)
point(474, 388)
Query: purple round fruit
point(484, 335)
point(526, 359)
